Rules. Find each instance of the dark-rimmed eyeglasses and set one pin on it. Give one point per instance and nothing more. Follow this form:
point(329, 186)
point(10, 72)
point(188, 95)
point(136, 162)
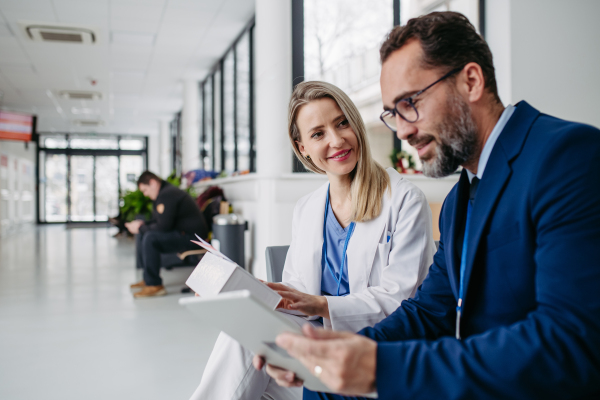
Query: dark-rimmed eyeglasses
point(406, 108)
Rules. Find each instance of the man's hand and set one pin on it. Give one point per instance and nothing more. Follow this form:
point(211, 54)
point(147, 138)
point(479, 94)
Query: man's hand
point(299, 301)
point(348, 361)
point(134, 226)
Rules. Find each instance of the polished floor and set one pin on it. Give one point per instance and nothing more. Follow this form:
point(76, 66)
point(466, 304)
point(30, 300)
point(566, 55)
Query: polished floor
point(70, 328)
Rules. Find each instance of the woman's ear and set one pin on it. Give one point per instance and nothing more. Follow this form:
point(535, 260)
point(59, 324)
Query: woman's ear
point(301, 148)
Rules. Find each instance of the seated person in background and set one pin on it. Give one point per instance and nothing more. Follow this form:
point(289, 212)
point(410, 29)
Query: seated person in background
point(510, 308)
point(361, 243)
point(175, 219)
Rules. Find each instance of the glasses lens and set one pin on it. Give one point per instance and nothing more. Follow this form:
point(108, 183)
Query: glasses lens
point(407, 110)
point(389, 119)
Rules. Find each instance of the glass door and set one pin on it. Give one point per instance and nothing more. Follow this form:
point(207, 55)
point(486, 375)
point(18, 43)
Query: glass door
point(106, 190)
point(53, 188)
point(82, 188)
point(82, 176)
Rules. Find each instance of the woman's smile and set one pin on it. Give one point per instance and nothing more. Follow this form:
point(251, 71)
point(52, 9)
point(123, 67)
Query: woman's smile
point(341, 155)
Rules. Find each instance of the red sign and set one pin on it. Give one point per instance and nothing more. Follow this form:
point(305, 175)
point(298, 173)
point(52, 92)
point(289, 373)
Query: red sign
point(15, 126)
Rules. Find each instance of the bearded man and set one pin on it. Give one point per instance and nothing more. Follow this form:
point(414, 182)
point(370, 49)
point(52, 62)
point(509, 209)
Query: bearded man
point(510, 308)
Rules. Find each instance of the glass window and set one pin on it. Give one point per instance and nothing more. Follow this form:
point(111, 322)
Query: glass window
point(208, 124)
point(341, 46)
point(242, 99)
point(217, 120)
point(94, 142)
point(131, 169)
point(229, 112)
point(132, 144)
point(54, 142)
point(339, 37)
point(227, 104)
point(469, 8)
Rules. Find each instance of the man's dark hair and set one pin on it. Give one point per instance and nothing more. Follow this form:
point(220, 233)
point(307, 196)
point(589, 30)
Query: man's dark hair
point(146, 176)
point(448, 41)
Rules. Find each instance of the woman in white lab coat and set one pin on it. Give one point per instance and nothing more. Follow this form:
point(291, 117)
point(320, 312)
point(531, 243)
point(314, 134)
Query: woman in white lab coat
point(361, 243)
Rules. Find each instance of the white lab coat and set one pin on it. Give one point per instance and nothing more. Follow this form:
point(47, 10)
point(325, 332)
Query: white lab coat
point(381, 273)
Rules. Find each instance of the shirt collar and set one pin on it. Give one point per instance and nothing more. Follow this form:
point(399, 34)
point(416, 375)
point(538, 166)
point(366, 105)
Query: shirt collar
point(491, 141)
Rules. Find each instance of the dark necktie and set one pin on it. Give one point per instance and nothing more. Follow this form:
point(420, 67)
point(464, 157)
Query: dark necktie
point(473, 189)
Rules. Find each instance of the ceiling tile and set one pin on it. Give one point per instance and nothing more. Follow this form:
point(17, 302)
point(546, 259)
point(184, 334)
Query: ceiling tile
point(41, 6)
point(129, 58)
point(5, 31)
point(140, 83)
point(127, 25)
point(136, 12)
point(11, 52)
point(196, 5)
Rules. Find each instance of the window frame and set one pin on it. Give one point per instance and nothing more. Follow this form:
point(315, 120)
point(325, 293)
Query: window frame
point(205, 130)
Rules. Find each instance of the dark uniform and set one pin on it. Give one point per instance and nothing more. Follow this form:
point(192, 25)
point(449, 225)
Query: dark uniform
point(175, 219)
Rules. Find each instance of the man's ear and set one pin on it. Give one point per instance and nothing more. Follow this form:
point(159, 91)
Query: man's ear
point(473, 82)
point(301, 148)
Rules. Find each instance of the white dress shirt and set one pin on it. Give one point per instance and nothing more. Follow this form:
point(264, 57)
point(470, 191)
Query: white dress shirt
point(491, 141)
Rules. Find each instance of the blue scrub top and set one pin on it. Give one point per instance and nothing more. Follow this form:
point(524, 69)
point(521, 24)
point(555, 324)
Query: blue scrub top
point(335, 236)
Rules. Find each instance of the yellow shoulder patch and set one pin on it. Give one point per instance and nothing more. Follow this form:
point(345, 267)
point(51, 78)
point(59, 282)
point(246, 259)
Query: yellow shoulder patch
point(160, 208)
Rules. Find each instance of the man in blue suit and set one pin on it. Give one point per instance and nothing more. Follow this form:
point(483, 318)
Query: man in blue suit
point(511, 306)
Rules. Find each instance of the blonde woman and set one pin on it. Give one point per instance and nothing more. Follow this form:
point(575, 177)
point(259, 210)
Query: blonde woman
point(361, 243)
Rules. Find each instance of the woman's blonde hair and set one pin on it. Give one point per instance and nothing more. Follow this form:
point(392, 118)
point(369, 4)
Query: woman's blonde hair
point(369, 179)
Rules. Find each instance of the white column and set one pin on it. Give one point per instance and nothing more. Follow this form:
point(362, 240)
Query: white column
point(273, 85)
point(190, 128)
point(273, 80)
point(498, 37)
point(165, 150)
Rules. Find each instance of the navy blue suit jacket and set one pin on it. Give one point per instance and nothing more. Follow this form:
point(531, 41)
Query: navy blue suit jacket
point(531, 311)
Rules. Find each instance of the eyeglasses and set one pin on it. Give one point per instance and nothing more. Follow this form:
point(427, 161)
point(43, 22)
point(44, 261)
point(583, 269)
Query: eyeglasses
point(406, 108)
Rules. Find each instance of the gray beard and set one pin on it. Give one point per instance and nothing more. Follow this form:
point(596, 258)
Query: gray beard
point(457, 141)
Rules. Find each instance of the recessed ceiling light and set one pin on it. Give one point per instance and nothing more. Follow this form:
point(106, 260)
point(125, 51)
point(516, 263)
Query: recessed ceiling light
point(132, 38)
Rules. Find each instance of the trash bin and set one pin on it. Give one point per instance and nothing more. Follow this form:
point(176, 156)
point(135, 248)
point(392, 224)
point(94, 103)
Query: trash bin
point(228, 236)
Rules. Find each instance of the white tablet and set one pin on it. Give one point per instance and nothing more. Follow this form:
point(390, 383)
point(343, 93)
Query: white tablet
point(254, 326)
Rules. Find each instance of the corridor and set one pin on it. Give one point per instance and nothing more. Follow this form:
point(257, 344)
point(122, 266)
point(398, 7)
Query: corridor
point(70, 328)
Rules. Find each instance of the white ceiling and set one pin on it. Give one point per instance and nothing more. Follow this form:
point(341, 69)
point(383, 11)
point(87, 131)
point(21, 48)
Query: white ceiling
point(145, 50)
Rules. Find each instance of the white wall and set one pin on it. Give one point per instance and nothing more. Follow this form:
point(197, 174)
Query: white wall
point(154, 153)
point(546, 52)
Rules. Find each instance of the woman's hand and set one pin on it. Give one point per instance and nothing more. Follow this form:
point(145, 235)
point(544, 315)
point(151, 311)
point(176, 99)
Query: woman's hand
point(298, 301)
point(283, 377)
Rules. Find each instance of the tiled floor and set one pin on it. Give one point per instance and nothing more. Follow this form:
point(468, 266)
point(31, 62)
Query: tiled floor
point(70, 328)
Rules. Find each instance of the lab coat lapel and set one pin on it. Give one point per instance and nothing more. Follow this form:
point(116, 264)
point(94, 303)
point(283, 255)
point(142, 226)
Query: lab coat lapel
point(363, 245)
point(311, 243)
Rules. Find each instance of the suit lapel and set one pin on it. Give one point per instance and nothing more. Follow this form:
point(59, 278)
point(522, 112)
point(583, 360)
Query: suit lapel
point(363, 245)
point(496, 175)
point(488, 194)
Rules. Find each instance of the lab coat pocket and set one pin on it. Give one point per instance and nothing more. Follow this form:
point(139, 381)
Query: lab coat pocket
point(383, 251)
